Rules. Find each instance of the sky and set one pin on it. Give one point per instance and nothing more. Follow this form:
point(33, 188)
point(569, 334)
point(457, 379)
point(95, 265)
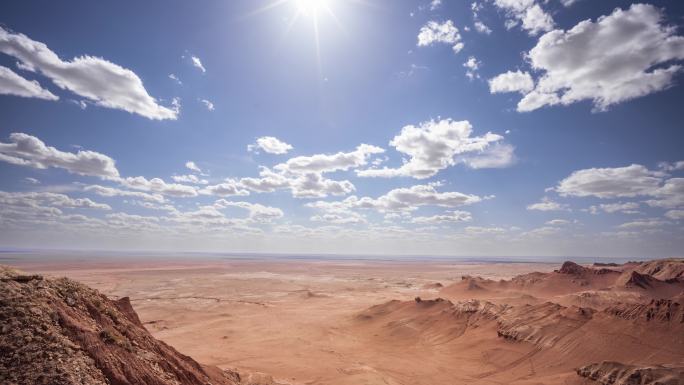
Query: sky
point(414, 127)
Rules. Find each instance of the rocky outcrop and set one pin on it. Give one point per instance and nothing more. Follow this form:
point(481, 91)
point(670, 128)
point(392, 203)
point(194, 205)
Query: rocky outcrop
point(637, 280)
point(615, 373)
point(663, 269)
point(661, 310)
point(572, 268)
point(63, 333)
point(542, 325)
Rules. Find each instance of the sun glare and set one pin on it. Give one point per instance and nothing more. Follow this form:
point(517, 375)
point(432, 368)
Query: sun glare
point(313, 8)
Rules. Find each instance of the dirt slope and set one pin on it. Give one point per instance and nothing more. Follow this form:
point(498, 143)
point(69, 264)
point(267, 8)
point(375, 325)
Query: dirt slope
point(62, 332)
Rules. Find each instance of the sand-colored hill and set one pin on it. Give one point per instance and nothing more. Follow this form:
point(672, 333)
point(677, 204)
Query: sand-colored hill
point(61, 332)
point(616, 373)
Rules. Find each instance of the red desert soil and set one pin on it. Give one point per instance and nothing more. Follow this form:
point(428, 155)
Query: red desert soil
point(392, 322)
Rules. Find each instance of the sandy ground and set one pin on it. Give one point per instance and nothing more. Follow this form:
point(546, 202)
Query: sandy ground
point(294, 319)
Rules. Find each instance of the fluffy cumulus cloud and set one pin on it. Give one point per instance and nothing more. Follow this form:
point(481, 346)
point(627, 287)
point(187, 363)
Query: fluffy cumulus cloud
point(257, 212)
point(158, 185)
point(304, 175)
point(190, 165)
point(435, 32)
point(37, 199)
point(13, 84)
point(230, 187)
point(482, 27)
point(27, 150)
point(546, 204)
point(271, 145)
point(670, 195)
point(115, 192)
point(336, 213)
point(410, 199)
point(472, 65)
point(435, 145)
point(321, 163)
point(526, 13)
point(510, 81)
point(620, 207)
point(448, 217)
point(314, 185)
point(435, 4)
point(190, 178)
point(102, 82)
point(303, 185)
point(625, 55)
point(630, 181)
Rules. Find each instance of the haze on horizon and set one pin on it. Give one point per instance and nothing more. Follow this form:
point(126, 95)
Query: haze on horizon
point(497, 127)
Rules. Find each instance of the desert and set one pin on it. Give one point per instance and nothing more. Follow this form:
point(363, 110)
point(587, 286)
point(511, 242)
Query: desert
point(362, 321)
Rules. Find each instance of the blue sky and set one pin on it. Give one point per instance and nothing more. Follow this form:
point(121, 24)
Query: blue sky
point(497, 127)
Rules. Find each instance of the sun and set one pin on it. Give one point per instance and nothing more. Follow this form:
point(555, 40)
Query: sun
point(313, 8)
point(315, 12)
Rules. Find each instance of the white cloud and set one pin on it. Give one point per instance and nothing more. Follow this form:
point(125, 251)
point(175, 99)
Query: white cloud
point(27, 150)
point(433, 146)
point(303, 175)
point(409, 199)
point(629, 181)
point(626, 207)
point(268, 181)
point(625, 55)
point(674, 166)
point(175, 79)
point(338, 219)
point(190, 165)
point(558, 222)
point(472, 65)
point(197, 63)
point(13, 84)
point(449, 216)
point(675, 214)
point(31, 180)
point(644, 223)
point(669, 195)
point(100, 81)
point(434, 4)
point(208, 104)
point(257, 212)
point(497, 155)
point(36, 199)
point(321, 163)
point(271, 145)
point(547, 204)
point(482, 27)
point(112, 192)
point(568, 3)
point(314, 185)
point(230, 187)
point(479, 230)
point(512, 82)
point(158, 185)
point(335, 212)
point(189, 179)
point(526, 13)
point(132, 221)
point(435, 32)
